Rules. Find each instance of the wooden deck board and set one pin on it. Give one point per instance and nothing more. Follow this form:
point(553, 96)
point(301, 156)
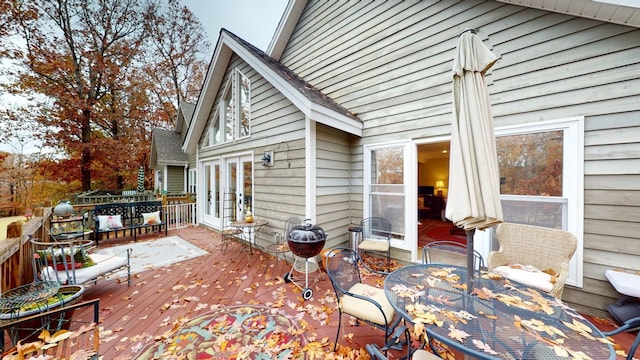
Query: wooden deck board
point(132, 317)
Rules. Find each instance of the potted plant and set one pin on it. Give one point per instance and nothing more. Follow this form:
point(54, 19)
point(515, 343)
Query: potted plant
point(29, 330)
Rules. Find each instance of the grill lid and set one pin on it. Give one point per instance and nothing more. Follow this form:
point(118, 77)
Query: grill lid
point(307, 232)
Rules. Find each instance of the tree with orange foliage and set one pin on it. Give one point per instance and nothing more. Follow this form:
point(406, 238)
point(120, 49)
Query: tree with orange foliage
point(90, 61)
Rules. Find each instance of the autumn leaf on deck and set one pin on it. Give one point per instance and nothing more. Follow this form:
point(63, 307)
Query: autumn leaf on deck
point(457, 334)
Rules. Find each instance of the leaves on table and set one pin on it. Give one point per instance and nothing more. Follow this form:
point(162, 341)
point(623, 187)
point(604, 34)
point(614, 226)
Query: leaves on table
point(540, 326)
point(457, 334)
point(484, 347)
point(404, 291)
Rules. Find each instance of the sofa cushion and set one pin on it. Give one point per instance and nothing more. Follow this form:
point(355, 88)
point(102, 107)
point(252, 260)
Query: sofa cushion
point(108, 222)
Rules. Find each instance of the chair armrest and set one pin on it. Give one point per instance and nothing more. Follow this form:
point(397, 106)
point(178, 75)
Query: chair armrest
point(496, 259)
point(628, 325)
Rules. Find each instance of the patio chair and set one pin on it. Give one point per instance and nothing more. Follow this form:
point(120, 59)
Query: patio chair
point(450, 252)
point(229, 233)
point(533, 255)
point(364, 302)
point(631, 324)
point(376, 237)
point(280, 245)
point(419, 354)
point(72, 262)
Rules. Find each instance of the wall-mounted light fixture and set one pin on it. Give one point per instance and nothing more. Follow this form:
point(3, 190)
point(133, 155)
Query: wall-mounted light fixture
point(267, 158)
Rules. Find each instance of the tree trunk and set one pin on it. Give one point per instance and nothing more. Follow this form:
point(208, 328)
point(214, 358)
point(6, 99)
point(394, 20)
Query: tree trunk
point(85, 165)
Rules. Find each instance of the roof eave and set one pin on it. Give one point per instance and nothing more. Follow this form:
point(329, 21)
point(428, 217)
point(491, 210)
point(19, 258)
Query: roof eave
point(228, 46)
point(213, 80)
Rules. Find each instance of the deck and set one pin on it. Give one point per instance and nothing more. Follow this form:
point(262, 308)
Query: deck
point(132, 318)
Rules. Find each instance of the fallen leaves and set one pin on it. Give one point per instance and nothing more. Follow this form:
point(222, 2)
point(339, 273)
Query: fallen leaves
point(457, 334)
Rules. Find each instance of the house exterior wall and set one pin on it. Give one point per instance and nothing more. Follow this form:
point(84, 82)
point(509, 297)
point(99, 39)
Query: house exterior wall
point(333, 179)
point(390, 63)
point(175, 179)
point(278, 191)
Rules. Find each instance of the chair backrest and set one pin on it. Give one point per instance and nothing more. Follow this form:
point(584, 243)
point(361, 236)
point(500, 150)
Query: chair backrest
point(342, 268)
point(542, 247)
point(228, 209)
point(288, 226)
point(450, 252)
point(376, 228)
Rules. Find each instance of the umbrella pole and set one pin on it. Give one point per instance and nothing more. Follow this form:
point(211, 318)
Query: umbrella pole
point(470, 260)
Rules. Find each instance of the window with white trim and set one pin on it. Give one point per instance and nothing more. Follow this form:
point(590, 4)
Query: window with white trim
point(232, 117)
point(192, 189)
point(541, 178)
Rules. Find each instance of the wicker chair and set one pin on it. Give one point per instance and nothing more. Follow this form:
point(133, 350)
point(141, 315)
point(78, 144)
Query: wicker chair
point(543, 248)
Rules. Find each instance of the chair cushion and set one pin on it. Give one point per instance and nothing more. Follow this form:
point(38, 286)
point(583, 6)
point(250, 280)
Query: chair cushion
point(374, 245)
point(421, 354)
point(365, 310)
point(624, 283)
point(527, 275)
point(103, 265)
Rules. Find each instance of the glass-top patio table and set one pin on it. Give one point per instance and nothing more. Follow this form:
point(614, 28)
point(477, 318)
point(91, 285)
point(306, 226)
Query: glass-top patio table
point(500, 319)
point(249, 229)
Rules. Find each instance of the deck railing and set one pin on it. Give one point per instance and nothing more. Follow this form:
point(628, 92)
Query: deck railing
point(180, 216)
point(15, 251)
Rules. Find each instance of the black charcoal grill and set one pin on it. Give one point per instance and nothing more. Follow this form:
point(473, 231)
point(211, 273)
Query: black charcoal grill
point(306, 242)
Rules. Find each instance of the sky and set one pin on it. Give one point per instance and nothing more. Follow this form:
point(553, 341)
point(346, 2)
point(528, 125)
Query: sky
point(253, 20)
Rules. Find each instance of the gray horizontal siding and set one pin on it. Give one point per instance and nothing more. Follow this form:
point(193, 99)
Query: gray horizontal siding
point(390, 63)
point(175, 179)
point(333, 176)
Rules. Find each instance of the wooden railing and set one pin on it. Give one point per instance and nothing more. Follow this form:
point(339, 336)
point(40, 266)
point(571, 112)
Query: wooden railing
point(116, 197)
point(16, 266)
point(180, 216)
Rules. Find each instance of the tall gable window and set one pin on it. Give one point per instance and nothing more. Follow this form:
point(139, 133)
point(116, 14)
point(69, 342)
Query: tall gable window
point(232, 118)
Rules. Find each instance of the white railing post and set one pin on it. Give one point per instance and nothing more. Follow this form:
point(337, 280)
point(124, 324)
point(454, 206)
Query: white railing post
point(180, 215)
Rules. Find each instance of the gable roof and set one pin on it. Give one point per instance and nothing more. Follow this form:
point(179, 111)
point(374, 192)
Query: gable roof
point(166, 149)
point(311, 101)
point(185, 113)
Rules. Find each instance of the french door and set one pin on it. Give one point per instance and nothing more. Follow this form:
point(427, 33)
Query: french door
point(238, 179)
point(212, 193)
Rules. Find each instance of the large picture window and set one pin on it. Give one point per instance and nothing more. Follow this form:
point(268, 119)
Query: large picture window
point(232, 118)
point(541, 178)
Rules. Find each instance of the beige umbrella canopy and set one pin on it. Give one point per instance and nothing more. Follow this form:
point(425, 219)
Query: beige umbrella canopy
point(474, 182)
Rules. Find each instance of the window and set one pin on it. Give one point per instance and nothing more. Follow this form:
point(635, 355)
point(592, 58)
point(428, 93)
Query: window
point(541, 178)
point(192, 181)
point(232, 118)
point(385, 191)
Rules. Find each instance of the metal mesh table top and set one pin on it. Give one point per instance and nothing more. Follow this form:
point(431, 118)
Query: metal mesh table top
point(500, 319)
point(26, 294)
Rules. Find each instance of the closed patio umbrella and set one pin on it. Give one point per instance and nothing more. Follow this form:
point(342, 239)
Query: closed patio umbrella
point(474, 183)
point(140, 187)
